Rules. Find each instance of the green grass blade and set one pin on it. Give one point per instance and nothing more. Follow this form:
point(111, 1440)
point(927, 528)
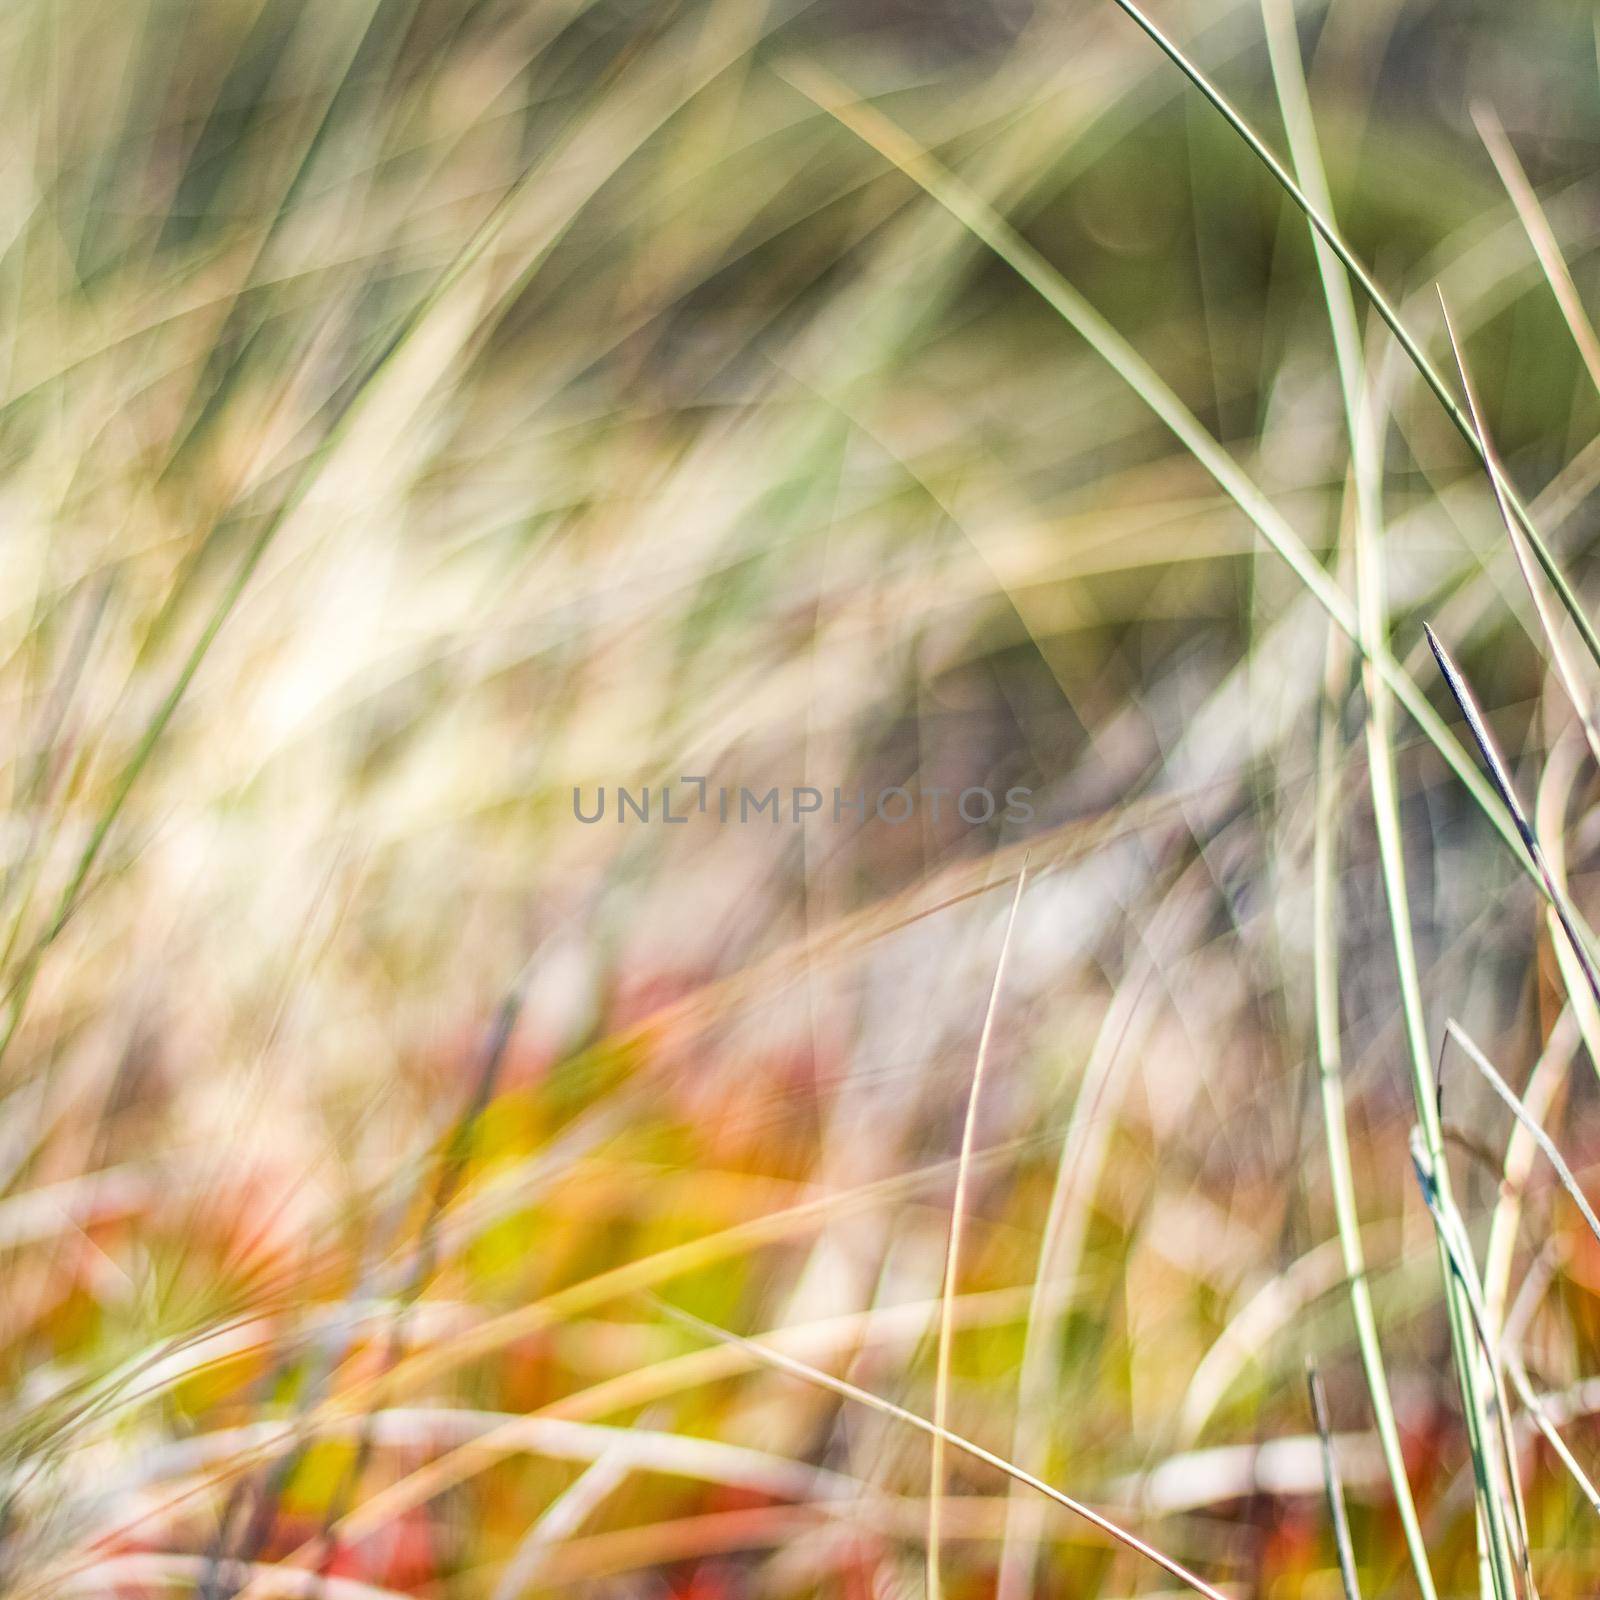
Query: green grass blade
point(1418, 357)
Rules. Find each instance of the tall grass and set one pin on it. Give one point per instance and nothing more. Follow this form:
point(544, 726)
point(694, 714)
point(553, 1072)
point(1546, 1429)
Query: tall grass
point(417, 414)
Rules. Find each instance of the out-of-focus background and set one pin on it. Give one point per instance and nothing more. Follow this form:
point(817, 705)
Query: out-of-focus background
point(421, 420)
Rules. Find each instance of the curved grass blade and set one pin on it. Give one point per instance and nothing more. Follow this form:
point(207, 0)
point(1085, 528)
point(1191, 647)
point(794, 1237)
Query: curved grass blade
point(1335, 1490)
point(1545, 1143)
point(1351, 262)
point(998, 236)
point(1366, 474)
point(1501, 779)
point(1458, 1251)
point(846, 1390)
point(952, 1263)
point(1543, 1421)
point(1566, 669)
point(1540, 235)
point(1347, 1216)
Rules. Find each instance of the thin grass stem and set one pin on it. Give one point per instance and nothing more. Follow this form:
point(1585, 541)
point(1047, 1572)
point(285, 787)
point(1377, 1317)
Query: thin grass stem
point(1351, 262)
point(846, 1390)
point(952, 1264)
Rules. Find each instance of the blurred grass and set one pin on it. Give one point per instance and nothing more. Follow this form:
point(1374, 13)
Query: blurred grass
point(413, 411)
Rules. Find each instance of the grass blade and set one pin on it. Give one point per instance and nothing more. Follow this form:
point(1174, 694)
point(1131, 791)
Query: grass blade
point(1335, 1490)
point(952, 1263)
point(874, 129)
point(1380, 303)
point(1501, 779)
point(846, 1390)
point(1543, 1421)
point(1366, 472)
point(1545, 1143)
point(1540, 235)
point(1457, 1248)
point(1565, 668)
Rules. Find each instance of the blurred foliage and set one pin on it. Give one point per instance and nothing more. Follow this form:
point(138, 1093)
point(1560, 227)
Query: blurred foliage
point(416, 411)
